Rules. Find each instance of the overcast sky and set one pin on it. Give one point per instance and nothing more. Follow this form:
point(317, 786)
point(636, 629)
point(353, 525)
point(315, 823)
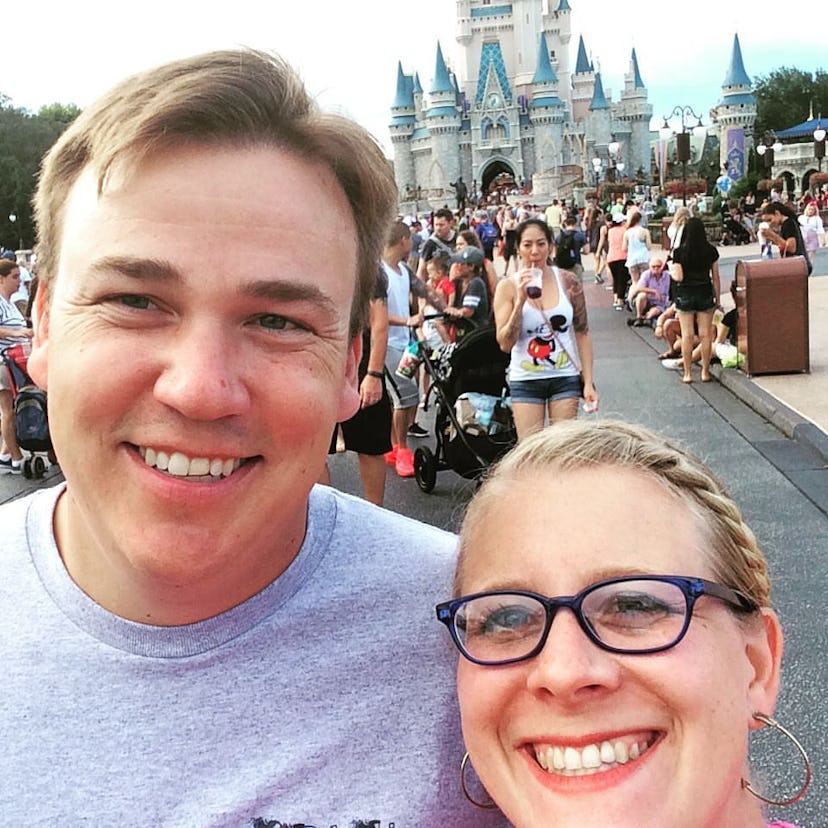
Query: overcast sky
point(348, 51)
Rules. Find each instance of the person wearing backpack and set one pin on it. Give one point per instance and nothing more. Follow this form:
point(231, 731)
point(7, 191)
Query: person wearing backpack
point(568, 248)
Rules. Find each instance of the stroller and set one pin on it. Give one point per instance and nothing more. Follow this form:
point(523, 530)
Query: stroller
point(31, 420)
point(473, 423)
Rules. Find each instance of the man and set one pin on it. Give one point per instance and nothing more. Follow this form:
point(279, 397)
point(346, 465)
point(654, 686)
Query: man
point(405, 394)
point(553, 215)
point(368, 432)
point(568, 245)
point(417, 239)
point(194, 634)
point(650, 295)
point(442, 239)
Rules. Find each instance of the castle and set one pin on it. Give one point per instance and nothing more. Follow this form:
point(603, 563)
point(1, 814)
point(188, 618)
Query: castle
point(522, 112)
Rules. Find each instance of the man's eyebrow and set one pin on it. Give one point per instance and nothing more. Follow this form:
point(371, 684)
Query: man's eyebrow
point(159, 270)
point(284, 290)
point(151, 270)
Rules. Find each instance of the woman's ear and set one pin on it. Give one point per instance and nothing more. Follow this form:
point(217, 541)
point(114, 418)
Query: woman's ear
point(763, 648)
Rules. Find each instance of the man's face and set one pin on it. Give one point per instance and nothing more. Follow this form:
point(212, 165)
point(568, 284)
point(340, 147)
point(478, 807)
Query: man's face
point(442, 227)
point(195, 323)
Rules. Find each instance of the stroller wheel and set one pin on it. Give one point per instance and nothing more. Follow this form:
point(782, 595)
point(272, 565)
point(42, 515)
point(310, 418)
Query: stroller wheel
point(27, 468)
point(425, 468)
point(38, 467)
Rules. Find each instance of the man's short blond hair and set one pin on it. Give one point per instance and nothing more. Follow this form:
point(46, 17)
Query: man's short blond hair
point(242, 98)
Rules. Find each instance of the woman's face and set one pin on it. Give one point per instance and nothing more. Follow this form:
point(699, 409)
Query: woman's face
point(533, 246)
point(810, 210)
point(460, 243)
point(688, 709)
point(774, 219)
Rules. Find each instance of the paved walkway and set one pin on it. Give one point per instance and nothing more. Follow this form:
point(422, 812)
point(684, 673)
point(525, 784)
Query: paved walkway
point(797, 404)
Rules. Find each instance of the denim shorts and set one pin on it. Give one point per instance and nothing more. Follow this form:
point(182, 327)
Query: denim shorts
point(695, 298)
point(542, 391)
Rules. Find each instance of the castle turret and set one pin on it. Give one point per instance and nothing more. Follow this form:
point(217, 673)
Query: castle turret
point(403, 120)
point(583, 83)
point(442, 118)
point(634, 113)
point(736, 115)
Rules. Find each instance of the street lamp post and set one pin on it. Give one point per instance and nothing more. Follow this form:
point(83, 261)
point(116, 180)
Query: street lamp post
point(768, 152)
point(819, 144)
point(682, 140)
point(596, 169)
point(13, 220)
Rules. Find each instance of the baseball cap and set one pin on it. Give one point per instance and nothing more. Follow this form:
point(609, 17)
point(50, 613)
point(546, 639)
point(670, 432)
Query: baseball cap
point(619, 217)
point(468, 255)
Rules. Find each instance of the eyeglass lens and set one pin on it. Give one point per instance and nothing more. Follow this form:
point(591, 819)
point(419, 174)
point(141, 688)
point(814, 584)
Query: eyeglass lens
point(631, 616)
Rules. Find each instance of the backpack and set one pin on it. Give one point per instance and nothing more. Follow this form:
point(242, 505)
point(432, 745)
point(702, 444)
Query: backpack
point(31, 421)
point(565, 250)
point(487, 232)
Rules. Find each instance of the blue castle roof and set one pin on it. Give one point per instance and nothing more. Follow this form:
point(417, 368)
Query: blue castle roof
point(599, 100)
point(563, 6)
point(582, 64)
point(405, 95)
point(418, 89)
point(736, 75)
point(442, 81)
point(637, 82)
point(545, 73)
point(492, 56)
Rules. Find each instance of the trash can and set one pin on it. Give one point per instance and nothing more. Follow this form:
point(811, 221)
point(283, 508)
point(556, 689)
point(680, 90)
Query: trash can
point(772, 306)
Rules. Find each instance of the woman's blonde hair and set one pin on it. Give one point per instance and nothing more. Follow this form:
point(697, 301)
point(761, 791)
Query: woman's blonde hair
point(239, 98)
point(736, 559)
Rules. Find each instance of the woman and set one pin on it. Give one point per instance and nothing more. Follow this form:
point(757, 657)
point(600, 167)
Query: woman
point(490, 277)
point(636, 244)
point(510, 224)
point(550, 369)
point(696, 272)
point(813, 231)
point(13, 329)
point(783, 230)
point(601, 247)
point(630, 702)
point(616, 259)
point(676, 227)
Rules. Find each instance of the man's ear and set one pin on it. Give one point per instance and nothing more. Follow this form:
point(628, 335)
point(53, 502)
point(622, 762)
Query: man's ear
point(349, 397)
point(763, 648)
point(38, 360)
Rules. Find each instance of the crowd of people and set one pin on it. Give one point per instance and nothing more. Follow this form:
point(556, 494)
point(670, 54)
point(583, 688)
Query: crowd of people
point(195, 633)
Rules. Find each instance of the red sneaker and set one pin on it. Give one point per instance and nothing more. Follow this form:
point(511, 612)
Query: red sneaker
point(391, 456)
point(405, 462)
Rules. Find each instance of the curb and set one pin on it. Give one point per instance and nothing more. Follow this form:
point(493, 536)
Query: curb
point(770, 408)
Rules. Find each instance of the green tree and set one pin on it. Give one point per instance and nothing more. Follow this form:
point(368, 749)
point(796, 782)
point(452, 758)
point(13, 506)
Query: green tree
point(785, 97)
point(24, 140)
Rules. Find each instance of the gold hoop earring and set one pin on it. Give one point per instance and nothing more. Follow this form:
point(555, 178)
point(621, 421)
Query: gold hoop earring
point(770, 722)
point(486, 806)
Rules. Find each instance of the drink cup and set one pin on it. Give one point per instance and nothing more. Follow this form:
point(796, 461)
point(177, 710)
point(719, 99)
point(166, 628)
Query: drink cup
point(535, 283)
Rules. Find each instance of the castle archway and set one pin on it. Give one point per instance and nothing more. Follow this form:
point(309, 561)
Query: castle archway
point(497, 175)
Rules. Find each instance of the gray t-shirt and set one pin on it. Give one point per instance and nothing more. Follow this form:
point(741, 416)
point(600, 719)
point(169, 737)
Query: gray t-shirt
point(326, 699)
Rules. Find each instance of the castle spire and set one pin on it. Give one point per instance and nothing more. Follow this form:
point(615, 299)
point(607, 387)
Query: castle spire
point(563, 6)
point(599, 100)
point(442, 81)
point(404, 97)
point(544, 73)
point(582, 64)
point(736, 75)
point(637, 82)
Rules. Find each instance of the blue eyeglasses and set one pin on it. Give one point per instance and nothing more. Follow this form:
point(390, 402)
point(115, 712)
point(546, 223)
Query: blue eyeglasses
point(634, 615)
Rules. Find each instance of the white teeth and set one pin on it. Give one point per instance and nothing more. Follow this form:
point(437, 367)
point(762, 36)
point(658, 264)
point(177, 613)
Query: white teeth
point(199, 466)
point(570, 761)
point(179, 465)
point(591, 757)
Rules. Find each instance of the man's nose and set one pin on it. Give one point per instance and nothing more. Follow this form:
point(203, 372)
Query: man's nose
point(203, 376)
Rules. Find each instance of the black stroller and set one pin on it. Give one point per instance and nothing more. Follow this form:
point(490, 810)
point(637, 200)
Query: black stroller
point(31, 420)
point(473, 424)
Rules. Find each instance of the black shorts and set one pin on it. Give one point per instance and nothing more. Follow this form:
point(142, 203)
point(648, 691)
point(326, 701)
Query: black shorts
point(695, 298)
point(369, 430)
